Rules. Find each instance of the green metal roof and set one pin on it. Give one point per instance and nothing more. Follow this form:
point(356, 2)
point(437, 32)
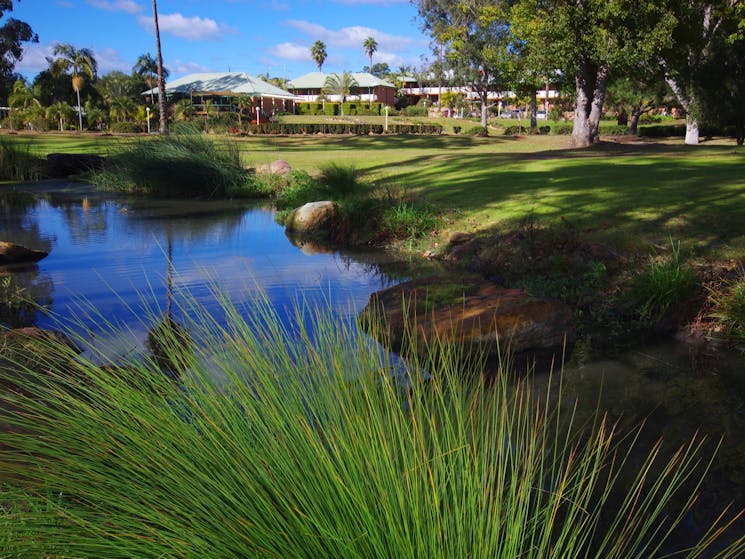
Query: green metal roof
point(236, 83)
point(316, 80)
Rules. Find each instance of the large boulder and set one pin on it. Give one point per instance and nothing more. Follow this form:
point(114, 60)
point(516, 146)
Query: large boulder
point(60, 165)
point(16, 254)
point(470, 311)
point(314, 219)
point(279, 167)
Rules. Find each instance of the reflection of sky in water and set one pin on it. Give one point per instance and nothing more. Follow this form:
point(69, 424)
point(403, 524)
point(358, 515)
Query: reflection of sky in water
point(114, 259)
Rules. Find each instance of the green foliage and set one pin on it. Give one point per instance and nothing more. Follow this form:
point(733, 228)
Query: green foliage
point(728, 308)
point(476, 131)
point(340, 180)
point(180, 164)
point(126, 127)
point(280, 128)
point(17, 307)
point(315, 444)
point(407, 220)
point(416, 110)
point(661, 285)
point(662, 131)
point(18, 163)
point(299, 188)
point(576, 289)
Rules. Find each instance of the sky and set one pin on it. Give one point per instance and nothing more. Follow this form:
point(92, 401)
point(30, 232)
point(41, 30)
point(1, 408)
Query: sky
point(252, 36)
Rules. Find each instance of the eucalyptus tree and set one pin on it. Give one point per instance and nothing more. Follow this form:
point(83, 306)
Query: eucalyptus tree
point(702, 28)
point(340, 85)
point(475, 35)
point(590, 39)
point(146, 67)
point(13, 33)
point(82, 63)
point(318, 54)
point(371, 46)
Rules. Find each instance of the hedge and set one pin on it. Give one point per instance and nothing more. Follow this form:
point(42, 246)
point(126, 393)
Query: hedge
point(343, 128)
point(351, 108)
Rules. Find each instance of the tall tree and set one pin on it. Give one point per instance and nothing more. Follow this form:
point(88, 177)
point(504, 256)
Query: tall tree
point(12, 34)
point(371, 46)
point(589, 39)
point(146, 68)
point(163, 122)
point(341, 85)
point(82, 63)
point(701, 26)
point(476, 39)
point(318, 54)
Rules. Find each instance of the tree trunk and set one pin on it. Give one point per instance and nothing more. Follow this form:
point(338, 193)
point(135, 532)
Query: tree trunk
point(636, 112)
point(80, 112)
point(692, 132)
point(533, 112)
point(163, 126)
point(484, 109)
point(590, 86)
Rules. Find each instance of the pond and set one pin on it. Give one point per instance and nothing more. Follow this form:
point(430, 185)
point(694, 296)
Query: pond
point(127, 257)
point(123, 257)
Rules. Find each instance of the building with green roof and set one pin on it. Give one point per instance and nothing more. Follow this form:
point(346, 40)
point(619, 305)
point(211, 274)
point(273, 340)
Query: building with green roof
point(221, 90)
point(369, 88)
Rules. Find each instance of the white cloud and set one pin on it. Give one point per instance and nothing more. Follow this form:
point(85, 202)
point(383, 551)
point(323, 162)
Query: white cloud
point(34, 58)
point(109, 59)
point(350, 37)
point(180, 67)
point(290, 51)
point(190, 28)
point(129, 6)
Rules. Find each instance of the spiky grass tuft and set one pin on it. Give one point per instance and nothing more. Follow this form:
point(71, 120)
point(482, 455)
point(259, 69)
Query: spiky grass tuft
point(291, 442)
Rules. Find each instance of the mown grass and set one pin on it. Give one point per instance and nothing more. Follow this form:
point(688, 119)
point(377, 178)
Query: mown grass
point(285, 442)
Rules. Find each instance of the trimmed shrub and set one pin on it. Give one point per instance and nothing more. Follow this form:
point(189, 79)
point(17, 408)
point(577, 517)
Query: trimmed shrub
point(476, 131)
point(562, 129)
point(126, 127)
point(416, 110)
point(343, 128)
point(662, 131)
point(618, 130)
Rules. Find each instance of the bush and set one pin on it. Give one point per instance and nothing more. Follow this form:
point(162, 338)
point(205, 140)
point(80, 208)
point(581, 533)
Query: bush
point(343, 128)
point(661, 285)
point(662, 131)
point(476, 131)
point(456, 129)
point(126, 127)
point(728, 308)
point(617, 130)
point(340, 180)
point(180, 164)
point(416, 110)
point(544, 130)
point(562, 129)
point(297, 189)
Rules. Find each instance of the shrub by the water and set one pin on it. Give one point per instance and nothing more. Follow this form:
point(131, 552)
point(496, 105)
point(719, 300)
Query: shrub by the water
point(305, 444)
point(181, 164)
point(17, 163)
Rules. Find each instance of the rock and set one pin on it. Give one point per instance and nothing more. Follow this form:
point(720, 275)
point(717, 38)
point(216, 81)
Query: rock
point(60, 165)
point(280, 167)
point(313, 218)
point(17, 254)
point(471, 311)
point(33, 334)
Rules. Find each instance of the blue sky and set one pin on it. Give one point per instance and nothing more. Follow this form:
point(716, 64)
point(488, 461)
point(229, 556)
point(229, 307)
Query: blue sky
point(253, 36)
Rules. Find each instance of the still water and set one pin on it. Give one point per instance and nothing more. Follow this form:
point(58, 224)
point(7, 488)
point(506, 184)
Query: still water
point(112, 254)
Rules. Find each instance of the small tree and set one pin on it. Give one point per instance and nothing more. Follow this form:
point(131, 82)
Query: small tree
point(318, 54)
point(146, 68)
point(61, 113)
point(341, 85)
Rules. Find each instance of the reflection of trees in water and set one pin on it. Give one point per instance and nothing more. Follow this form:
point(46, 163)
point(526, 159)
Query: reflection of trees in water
point(22, 293)
point(85, 217)
point(19, 223)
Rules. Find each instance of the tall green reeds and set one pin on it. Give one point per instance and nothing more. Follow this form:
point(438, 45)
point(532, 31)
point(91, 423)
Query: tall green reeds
point(279, 441)
point(181, 164)
point(17, 163)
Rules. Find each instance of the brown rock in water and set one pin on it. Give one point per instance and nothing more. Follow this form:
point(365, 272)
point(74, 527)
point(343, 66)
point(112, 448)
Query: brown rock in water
point(16, 254)
point(468, 310)
point(313, 218)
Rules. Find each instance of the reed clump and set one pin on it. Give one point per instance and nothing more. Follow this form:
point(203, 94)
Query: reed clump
point(282, 441)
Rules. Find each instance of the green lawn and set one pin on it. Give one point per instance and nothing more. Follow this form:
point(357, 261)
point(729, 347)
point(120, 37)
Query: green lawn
point(639, 193)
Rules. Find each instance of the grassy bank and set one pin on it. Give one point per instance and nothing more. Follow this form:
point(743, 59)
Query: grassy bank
point(315, 444)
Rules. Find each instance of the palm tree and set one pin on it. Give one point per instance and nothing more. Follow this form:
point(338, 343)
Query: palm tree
point(370, 45)
point(341, 85)
point(147, 68)
point(163, 126)
point(60, 112)
point(80, 61)
point(318, 53)
point(21, 99)
point(242, 102)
